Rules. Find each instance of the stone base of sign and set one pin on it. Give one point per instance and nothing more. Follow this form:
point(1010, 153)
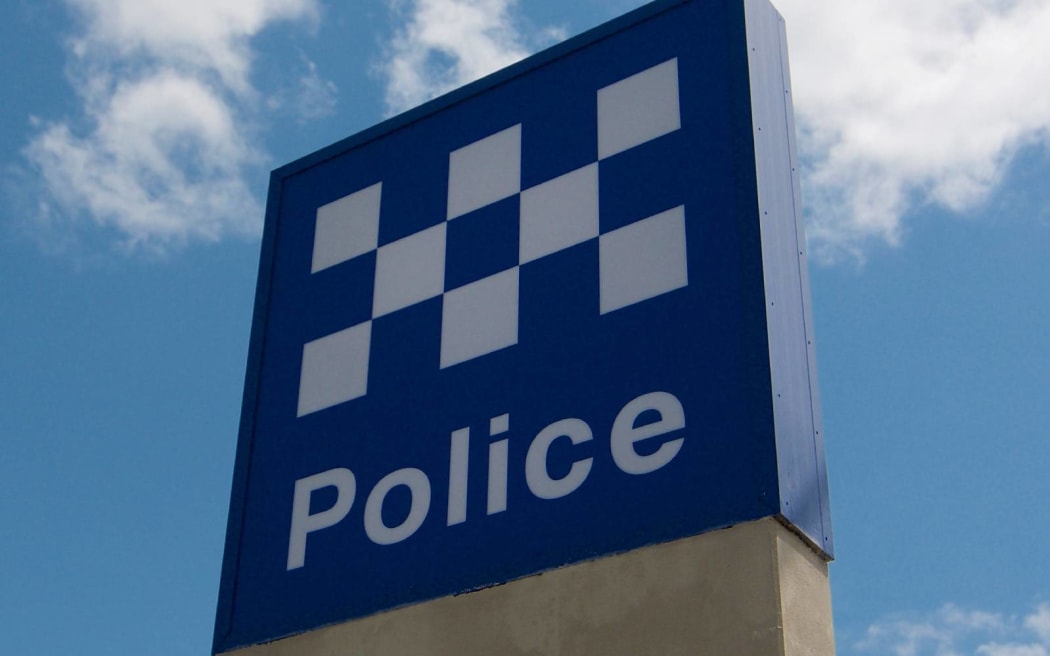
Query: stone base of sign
point(751, 590)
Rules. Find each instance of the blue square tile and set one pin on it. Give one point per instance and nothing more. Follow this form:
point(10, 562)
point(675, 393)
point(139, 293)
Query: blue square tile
point(482, 243)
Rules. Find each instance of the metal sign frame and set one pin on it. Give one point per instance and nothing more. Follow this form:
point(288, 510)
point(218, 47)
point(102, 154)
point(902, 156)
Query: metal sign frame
point(557, 314)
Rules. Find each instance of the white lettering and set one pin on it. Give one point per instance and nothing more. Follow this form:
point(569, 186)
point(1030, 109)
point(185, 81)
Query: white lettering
point(498, 454)
point(303, 522)
point(660, 412)
point(457, 476)
point(536, 474)
point(419, 485)
point(625, 434)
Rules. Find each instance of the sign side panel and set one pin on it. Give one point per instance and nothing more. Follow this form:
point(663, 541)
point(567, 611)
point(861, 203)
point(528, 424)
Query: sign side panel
point(245, 439)
point(807, 304)
point(800, 453)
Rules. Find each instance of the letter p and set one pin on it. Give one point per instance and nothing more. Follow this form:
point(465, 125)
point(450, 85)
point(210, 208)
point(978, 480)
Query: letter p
point(303, 522)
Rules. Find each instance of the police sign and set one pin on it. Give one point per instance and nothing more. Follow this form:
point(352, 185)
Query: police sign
point(558, 314)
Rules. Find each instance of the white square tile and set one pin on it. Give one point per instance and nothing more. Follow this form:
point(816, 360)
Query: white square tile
point(346, 228)
point(484, 172)
point(480, 318)
point(638, 109)
point(642, 260)
point(334, 369)
point(409, 270)
point(499, 425)
point(559, 213)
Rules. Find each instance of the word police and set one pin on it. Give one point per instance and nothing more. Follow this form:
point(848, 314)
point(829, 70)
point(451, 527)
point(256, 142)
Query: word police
point(625, 434)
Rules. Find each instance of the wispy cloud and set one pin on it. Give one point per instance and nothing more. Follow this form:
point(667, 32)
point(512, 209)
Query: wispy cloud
point(309, 98)
point(903, 105)
point(447, 43)
point(316, 97)
point(953, 631)
point(162, 148)
point(1039, 623)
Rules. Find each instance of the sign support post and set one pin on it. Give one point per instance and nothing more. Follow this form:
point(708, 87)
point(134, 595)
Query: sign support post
point(751, 590)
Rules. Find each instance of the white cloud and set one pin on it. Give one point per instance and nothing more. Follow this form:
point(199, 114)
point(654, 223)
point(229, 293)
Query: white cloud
point(162, 150)
point(163, 163)
point(316, 97)
point(905, 104)
point(306, 99)
point(202, 34)
point(952, 631)
point(995, 649)
point(1039, 622)
point(447, 43)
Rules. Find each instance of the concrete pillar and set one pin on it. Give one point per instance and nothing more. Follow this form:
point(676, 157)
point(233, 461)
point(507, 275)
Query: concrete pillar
point(755, 589)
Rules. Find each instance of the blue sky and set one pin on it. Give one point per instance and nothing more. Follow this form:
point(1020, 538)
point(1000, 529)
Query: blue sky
point(136, 139)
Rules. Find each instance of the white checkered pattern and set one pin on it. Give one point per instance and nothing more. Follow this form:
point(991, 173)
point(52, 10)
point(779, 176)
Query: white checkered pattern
point(636, 262)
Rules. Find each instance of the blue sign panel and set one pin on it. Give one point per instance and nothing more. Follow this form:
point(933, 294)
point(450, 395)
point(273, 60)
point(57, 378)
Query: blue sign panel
point(531, 323)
